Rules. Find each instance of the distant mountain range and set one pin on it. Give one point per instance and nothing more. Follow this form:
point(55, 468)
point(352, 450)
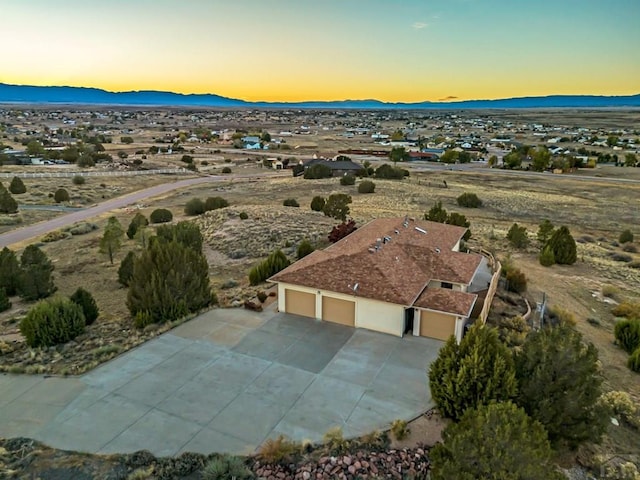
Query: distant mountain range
point(94, 96)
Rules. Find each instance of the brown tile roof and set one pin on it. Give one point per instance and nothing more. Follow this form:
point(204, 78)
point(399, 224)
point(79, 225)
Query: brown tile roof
point(445, 300)
point(398, 272)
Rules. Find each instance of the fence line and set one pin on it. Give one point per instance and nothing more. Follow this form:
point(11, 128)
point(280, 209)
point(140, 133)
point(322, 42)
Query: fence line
point(108, 173)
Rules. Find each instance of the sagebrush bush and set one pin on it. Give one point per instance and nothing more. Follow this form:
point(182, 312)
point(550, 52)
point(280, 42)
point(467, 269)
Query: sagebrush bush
point(627, 309)
point(627, 334)
point(161, 215)
point(87, 303)
point(347, 180)
point(626, 236)
point(516, 281)
point(79, 180)
point(469, 200)
point(621, 404)
point(629, 248)
point(52, 322)
point(366, 186)
point(290, 202)
point(562, 316)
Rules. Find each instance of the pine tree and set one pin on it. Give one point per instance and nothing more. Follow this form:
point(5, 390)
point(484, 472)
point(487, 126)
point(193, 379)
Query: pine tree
point(36, 279)
point(476, 372)
point(560, 385)
point(111, 240)
point(494, 442)
point(10, 272)
point(17, 186)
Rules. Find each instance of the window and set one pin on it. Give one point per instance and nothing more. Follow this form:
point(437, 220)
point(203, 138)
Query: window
point(446, 285)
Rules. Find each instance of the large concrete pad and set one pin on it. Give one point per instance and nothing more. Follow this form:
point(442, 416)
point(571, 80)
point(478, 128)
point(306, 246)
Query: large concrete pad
point(226, 381)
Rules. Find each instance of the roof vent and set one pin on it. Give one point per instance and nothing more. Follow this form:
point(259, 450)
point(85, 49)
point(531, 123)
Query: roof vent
point(378, 243)
point(437, 250)
point(421, 230)
point(372, 250)
point(397, 232)
point(386, 239)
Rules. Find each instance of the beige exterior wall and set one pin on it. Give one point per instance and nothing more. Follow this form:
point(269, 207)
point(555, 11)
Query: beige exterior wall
point(371, 314)
point(458, 287)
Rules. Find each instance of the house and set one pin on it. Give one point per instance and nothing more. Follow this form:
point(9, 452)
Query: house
point(251, 143)
point(338, 168)
point(392, 275)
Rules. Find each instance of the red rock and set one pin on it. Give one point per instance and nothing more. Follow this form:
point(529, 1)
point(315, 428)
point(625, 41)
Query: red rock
point(346, 460)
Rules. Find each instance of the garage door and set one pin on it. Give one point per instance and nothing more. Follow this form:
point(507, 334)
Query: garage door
point(300, 303)
point(339, 311)
point(437, 325)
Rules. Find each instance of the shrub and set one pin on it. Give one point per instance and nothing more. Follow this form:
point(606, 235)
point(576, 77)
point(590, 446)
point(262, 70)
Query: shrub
point(87, 303)
point(437, 213)
point(518, 447)
point(634, 361)
point(161, 215)
point(17, 186)
point(366, 186)
point(391, 173)
point(82, 228)
point(337, 206)
point(304, 249)
point(475, 372)
point(185, 233)
point(620, 257)
point(274, 263)
point(610, 291)
point(61, 195)
point(262, 296)
point(629, 248)
point(627, 334)
point(290, 202)
point(399, 429)
point(36, 280)
point(317, 204)
point(317, 171)
point(621, 404)
point(243, 215)
point(277, 450)
point(334, 440)
point(215, 203)
point(125, 272)
point(546, 257)
point(342, 230)
point(226, 467)
point(516, 281)
point(52, 322)
point(226, 170)
point(562, 316)
point(138, 220)
point(627, 309)
point(347, 180)
point(187, 159)
point(625, 237)
point(195, 206)
point(517, 236)
point(5, 303)
point(469, 200)
point(79, 180)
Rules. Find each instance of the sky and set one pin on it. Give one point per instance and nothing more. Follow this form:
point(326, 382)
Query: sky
point(295, 50)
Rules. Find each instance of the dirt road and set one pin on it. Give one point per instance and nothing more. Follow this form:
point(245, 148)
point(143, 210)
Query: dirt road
point(57, 223)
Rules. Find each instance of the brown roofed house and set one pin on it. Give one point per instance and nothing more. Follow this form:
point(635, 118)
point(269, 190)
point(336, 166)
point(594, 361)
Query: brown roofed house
point(393, 275)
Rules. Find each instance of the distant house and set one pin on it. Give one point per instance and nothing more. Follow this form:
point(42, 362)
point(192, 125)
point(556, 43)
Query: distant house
point(338, 168)
point(251, 143)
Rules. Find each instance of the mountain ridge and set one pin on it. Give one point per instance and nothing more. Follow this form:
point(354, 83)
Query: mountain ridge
point(31, 94)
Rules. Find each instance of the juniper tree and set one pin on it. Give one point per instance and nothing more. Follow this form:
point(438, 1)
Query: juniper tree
point(111, 240)
point(37, 274)
point(10, 272)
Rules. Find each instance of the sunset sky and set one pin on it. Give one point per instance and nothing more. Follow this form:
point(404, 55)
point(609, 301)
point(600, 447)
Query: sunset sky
point(292, 50)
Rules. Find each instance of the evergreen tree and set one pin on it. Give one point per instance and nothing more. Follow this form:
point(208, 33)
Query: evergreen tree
point(52, 322)
point(139, 220)
point(10, 272)
point(61, 195)
point(476, 372)
point(186, 233)
point(5, 303)
point(337, 206)
point(169, 281)
point(494, 442)
point(274, 263)
point(563, 246)
point(111, 240)
point(517, 236)
point(461, 221)
point(545, 230)
point(87, 303)
point(17, 186)
point(7, 202)
point(125, 272)
point(560, 385)
point(547, 258)
point(36, 279)
point(317, 203)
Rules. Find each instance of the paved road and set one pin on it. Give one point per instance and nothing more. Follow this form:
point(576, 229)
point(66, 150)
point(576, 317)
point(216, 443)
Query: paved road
point(225, 382)
point(57, 223)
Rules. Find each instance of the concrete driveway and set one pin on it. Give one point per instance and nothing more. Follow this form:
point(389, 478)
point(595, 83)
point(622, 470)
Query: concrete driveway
point(225, 382)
